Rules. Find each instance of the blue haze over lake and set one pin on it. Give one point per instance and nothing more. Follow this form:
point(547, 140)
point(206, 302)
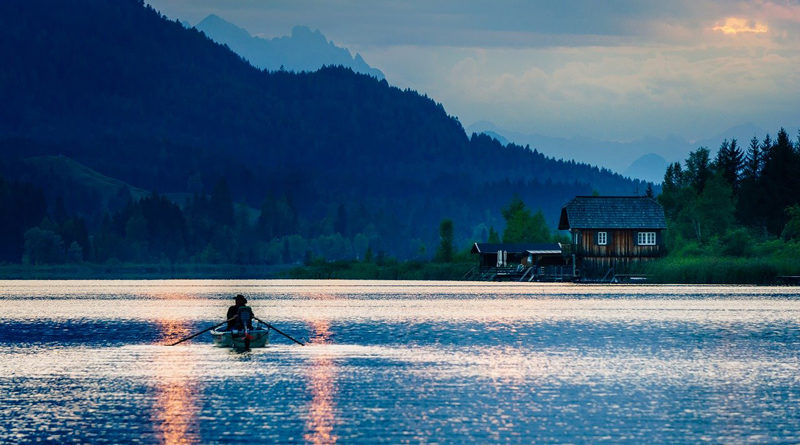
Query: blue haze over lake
point(395, 362)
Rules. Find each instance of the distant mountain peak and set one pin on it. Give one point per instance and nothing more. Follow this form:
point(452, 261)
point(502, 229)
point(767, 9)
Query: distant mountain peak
point(649, 167)
point(304, 32)
point(303, 50)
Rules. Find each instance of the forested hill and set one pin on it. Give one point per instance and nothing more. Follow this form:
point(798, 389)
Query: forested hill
point(118, 88)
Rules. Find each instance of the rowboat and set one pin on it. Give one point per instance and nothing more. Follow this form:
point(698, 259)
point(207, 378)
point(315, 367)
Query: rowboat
point(234, 338)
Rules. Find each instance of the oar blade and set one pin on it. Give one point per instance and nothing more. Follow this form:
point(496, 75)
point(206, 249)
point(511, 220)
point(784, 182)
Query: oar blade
point(201, 332)
point(281, 332)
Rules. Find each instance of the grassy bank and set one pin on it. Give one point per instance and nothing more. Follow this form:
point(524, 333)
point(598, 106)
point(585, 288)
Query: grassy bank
point(720, 270)
point(757, 263)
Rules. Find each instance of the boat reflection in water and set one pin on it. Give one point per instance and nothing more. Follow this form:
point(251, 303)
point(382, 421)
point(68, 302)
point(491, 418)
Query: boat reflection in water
point(322, 382)
point(174, 412)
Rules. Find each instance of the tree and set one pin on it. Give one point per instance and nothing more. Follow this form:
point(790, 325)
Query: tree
point(753, 161)
point(43, 247)
point(791, 231)
point(729, 163)
point(780, 181)
point(494, 237)
point(75, 253)
point(714, 210)
point(221, 203)
point(698, 169)
point(748, 207)
point(278, 218)
point(698, 203)
point(522, 227)
point(74, 230)
point(444, 254)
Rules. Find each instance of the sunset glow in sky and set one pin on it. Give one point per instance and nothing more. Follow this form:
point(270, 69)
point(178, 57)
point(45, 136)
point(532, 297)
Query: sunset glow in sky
point(580, 68)
point(735, 25)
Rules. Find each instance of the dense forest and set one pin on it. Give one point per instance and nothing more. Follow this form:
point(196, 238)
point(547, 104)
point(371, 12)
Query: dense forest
point(733, 217)
point(207, 230)
point(110, 110)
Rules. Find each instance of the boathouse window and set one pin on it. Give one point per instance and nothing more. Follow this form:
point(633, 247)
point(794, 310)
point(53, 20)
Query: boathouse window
point(646, 239)
point(602, 238)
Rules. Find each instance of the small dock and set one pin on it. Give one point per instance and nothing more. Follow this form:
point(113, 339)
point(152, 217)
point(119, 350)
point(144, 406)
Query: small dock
point(523, 274)
point(788, 280)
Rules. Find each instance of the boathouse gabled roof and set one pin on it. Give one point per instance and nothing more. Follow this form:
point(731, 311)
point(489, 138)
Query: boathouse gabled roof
point(534, 248)
point(612, 212)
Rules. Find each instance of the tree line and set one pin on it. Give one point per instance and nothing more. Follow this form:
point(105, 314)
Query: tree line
point(206, 229)
point(211, 228)
point(741, 196)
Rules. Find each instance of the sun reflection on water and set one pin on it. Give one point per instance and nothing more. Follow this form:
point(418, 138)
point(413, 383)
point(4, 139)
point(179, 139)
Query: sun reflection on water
point(322, 383)
point(174, 412)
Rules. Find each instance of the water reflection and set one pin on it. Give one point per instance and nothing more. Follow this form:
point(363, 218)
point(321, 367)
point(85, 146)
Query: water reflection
point(391, 363)
point(322, 382)
point(174, 412)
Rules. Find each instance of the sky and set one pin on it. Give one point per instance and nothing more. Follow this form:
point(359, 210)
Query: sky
point(609, 70)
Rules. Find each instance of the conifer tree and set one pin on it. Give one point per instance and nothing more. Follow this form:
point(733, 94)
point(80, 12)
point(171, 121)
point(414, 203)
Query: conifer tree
point(698, 169)
point(729, 163)
point(781, 184)
point(749, 205)
point(753, 161)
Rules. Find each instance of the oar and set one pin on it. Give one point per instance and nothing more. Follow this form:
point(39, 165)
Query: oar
point(280, 332)
point(204, 330)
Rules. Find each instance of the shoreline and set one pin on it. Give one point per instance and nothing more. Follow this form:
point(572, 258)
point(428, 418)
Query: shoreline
point(391, 272)
point(91, 271)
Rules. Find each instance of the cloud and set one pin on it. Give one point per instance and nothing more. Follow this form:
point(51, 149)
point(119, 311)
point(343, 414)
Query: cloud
point(618, 93)
point(735, 25)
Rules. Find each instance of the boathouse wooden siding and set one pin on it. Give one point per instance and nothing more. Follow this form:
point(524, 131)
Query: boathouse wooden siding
point(622, 252)
point(517, 253)
point(621, 218)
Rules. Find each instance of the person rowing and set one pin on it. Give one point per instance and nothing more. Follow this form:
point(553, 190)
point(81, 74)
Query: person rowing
point(240, 318)
point(239, 332)
point(240, 315)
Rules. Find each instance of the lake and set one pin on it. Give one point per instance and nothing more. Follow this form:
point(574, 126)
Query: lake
point(400, 362)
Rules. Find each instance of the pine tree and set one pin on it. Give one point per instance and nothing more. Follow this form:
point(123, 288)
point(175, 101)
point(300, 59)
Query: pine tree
point(753, 162)
point(749, 206)
point(698, 169)
point(729, 163)
point(781, 184)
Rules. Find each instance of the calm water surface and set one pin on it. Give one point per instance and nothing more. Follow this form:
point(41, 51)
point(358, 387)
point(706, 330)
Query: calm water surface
point(400, 362)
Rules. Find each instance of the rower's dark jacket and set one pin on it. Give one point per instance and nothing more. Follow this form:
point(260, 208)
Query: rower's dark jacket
point(236, 323)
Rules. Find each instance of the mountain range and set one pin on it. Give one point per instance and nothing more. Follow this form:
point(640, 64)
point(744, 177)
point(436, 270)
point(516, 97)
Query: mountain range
point(645, 159)
point(114, 96)
point(303, 50)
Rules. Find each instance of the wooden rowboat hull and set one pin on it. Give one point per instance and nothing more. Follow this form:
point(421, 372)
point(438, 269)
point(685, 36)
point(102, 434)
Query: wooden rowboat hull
point(235, 339)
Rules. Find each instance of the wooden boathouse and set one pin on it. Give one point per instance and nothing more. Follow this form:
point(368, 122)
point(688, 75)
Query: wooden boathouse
point(521, 262)
point(610, 234)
